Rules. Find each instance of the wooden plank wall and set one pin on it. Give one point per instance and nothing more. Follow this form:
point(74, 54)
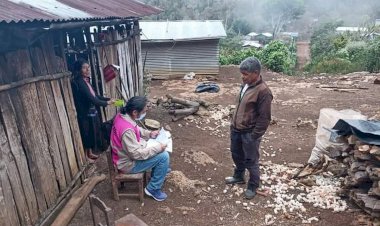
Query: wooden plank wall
point(40, 146)
point(128, 55)
point(108, 55)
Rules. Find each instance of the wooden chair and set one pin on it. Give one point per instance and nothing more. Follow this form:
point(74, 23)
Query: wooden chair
point(99, 204)
point(117, 178)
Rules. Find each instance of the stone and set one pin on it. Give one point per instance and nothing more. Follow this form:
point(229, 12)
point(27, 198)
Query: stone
point(377, 81)
point(168, 128)
point(129, 220)
point(295, 165)
point(362, 155)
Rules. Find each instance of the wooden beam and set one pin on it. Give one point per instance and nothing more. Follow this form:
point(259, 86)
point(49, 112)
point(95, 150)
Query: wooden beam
point(33, 80)
point(52, 212)
point(77, 200)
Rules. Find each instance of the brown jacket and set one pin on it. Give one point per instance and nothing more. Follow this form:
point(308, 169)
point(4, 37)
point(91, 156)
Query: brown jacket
point(253, 111)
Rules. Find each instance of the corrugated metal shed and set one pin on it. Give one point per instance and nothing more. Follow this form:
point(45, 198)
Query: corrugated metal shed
point(71, 10)
point(181, 30)
point(179, 58)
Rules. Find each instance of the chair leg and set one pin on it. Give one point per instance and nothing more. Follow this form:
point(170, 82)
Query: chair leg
point(115, 190)
point(141, 190)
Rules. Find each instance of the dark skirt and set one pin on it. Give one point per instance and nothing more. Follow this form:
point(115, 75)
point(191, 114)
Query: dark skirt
point(89, 126)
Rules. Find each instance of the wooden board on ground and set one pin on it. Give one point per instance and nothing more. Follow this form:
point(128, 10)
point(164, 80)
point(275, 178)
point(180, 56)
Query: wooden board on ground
point(77, 200)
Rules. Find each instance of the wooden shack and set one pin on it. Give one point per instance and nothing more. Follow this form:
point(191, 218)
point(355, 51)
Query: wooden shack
point(41, 155)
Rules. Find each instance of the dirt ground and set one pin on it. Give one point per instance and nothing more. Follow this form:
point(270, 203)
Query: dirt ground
point(200, 161)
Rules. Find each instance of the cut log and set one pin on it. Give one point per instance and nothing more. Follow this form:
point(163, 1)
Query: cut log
point(341, 87)
point(186, 111)
point(190, 111)
point(364, 148)
point(204, 103)
point(375, 190)
point(373, 172)
point(77, 200)
point(352, 140)
point(177, 100)
point(358, 166)
point(334, 153)
point(375, 150)
point(361, 176)
point(369, 204)
point(362, 155)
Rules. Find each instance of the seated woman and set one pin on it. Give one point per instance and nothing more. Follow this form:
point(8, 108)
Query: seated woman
point(86, 100)
point(130, 153)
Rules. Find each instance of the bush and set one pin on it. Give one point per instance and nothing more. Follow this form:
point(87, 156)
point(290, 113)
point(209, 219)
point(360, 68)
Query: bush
point(333, 65)
point(357, 54)
point(373, 56)
point(277, 57)
point(236, 57)
point(342, 53)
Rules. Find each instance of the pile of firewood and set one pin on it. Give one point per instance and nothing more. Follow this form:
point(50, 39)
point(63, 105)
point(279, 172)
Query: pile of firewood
point(181, 108)
point(363, 179)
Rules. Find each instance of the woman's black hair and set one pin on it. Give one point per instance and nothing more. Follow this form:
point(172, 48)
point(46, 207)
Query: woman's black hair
point(77, 67)
point(136, 103)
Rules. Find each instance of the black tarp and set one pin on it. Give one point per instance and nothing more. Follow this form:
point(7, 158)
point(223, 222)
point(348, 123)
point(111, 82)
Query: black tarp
point(366, 131)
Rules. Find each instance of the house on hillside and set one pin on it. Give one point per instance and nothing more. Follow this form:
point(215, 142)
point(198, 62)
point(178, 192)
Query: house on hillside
point(175, 48)
point(350, 29)
point(253, 38)
point(41, 155)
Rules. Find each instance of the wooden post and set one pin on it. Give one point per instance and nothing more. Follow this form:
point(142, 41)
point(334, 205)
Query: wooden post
point(139, 57)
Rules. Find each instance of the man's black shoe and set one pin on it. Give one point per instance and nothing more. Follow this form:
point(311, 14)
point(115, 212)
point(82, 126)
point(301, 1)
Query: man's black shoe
point(234, 180)
point(250, 193)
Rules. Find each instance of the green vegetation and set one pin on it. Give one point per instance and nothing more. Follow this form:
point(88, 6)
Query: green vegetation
point(343, 53)
point(276, 56)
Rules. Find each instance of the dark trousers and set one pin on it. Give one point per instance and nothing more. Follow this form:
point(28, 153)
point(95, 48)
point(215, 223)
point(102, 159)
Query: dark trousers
point(245, 154)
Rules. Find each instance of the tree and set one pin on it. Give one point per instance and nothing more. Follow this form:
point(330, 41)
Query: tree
point(241, 27)
point(280, 13)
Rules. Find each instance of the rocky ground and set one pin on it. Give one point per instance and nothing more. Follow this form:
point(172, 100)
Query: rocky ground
point(201, 157)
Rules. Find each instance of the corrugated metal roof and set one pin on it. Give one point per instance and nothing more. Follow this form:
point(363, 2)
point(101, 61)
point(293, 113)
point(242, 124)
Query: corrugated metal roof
point(350, 29)
point(255, 44)
point(68, 10)
point(182, 30)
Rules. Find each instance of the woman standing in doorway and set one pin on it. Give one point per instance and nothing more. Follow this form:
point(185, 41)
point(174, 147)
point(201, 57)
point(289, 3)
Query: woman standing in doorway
point(86, 102)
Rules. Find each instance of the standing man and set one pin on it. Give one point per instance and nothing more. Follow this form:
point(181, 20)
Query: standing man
point(249, 123)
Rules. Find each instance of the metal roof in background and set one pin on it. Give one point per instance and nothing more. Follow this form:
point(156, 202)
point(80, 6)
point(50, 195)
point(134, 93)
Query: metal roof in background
point(165, 58)
point(71, 10)
point(181, 30)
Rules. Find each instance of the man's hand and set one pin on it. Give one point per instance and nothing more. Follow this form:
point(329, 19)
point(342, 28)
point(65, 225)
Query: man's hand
point(154, 134)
